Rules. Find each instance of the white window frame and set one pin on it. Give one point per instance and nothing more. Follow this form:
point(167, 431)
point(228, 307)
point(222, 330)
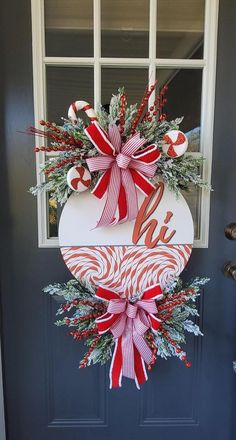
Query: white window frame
point(207, 64)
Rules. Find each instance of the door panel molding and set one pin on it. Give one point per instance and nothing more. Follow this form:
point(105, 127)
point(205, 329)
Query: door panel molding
point(146, 420)
point(56, 347)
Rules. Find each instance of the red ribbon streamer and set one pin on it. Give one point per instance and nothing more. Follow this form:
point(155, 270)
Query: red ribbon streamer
point(128, 322)
point(125, 167)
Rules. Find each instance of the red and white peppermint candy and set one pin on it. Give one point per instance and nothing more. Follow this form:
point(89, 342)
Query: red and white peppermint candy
point(176, 143)
point(84, 106)
point(78, 178)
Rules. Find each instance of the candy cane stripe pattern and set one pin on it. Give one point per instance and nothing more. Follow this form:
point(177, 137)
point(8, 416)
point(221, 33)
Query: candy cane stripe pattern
point(85, 107)
point(176, 143)
point(127, 269)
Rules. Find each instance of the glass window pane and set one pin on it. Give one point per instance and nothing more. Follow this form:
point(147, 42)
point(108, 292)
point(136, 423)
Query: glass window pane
point(184, 99)
point(193, 198)
point(180, 28)
point(65, 85)
point(52, 216)
point(134, 81)
point(125, 28)
point(69, 28)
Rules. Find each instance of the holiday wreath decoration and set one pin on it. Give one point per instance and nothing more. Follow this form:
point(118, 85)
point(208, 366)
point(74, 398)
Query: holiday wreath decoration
point(125, 232)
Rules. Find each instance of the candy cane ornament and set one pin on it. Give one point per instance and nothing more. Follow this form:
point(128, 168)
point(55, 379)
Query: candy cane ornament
point(85, 107)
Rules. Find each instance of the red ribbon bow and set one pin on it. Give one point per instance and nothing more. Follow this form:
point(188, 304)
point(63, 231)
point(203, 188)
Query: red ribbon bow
point(124, 168)
point(128, 322)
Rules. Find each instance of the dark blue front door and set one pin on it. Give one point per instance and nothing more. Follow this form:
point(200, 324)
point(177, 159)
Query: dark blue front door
point(46, 396)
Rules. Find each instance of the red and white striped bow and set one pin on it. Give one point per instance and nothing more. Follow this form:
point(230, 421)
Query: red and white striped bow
point(124, 169)
point(128, 323)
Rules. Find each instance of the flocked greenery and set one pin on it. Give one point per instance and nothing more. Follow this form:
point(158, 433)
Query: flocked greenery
point(179, 173)
point(79, 309)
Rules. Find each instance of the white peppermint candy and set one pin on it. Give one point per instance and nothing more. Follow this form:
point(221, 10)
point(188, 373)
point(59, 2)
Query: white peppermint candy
point(78, 178)
point(176, 143)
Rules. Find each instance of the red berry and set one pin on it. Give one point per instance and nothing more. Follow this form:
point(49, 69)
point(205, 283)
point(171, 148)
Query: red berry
point(162, 117)
point(188, 364)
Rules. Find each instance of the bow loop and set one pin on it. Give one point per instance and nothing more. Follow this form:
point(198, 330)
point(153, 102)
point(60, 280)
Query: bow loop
point(147, 305)
point(133, 144)
point(116, 306)
point(99, 139)
point(115, 137)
